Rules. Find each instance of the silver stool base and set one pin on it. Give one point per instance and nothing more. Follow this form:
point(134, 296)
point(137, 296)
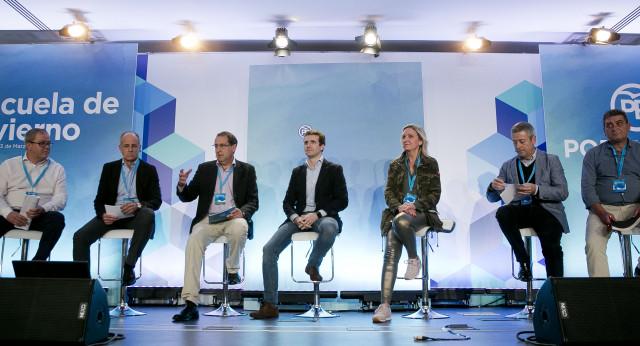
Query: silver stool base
point(525, 314)
point(317, 312)
point(123, 310)
point(425, 313)
point(224, 311)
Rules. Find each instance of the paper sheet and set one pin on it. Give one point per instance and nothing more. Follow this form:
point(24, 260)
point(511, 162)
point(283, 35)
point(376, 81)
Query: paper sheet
point(115, 210)
point(30, 202)
point(510, 194)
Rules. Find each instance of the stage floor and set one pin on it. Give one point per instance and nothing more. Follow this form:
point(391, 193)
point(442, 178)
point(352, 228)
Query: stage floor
point(487, 326)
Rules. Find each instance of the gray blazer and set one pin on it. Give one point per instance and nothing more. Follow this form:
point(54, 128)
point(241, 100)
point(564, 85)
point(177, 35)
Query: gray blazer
point(552, 184)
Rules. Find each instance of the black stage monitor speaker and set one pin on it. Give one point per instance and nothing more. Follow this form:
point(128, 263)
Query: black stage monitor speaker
point(51, 269)
point(588, 311)
point(70, 311)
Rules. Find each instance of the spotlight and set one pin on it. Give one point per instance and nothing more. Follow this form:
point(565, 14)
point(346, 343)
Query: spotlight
point(370, 41)
point(474, 42)
point(76, 30)
point(188, 41)
point(281, 42)
point(602, 36)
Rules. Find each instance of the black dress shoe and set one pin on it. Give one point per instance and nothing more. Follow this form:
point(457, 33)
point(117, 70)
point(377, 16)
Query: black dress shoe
point(525, 272)
point(313, 273)
point(190, 312)
point(234, 278)
point(128, 276)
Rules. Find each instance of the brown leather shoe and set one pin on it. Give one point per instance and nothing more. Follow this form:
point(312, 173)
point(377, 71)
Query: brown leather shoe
point(313, 273)
point(267, 310)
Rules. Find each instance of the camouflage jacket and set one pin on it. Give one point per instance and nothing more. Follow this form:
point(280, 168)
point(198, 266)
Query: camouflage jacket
point(428, 191)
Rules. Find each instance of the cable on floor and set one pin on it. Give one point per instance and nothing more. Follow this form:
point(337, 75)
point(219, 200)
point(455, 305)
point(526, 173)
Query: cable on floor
point(531, 339)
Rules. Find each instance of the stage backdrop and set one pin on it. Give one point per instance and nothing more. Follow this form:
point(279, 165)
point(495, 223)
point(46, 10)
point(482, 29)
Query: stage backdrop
point(580, 84)
point(361, 108)
point(465, 101)
point(83, 96)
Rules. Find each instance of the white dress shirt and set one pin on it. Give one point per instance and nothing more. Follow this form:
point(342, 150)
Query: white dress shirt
point(52, 187)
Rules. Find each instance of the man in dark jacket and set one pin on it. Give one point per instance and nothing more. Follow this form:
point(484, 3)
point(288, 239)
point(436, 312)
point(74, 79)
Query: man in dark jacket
point(227, 188)
point(133, 187)
point(317, 192)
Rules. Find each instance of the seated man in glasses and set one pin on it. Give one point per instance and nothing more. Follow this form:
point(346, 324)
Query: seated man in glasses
point(33, 190)
point(227, 193)
point(132, 187)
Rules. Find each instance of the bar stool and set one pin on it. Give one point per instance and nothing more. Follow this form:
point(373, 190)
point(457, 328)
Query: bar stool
point(425, 311)
point(224, 310)
point(123, 309)
point(25, 236)
point(625, 248)
point(316, 311)
point(527, 312)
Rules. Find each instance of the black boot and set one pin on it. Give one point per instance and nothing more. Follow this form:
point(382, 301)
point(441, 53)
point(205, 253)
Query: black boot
point(190, 312)
point(525, 272)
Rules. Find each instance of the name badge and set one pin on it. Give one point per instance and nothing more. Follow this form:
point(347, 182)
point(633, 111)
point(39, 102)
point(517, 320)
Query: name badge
point(526, 201)
point(220, 198)
point(619, 186)
point(127, 200)
point(31, 193)
point(409, 198)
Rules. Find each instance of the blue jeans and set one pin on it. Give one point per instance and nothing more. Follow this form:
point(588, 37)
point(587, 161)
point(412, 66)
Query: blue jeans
point(327, 228)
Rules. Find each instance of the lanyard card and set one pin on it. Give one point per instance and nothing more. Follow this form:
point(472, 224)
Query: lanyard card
point(220, 198)
point(409, 198)
point(619, 186)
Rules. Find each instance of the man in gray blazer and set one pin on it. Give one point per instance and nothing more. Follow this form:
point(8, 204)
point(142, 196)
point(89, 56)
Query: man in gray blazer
point(540, 188)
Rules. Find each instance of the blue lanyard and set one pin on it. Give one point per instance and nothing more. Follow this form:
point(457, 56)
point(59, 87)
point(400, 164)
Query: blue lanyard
point(412, 180)
point(133, 177)
point(533, 172)
point(615, 156)
point(40, 177)
point(225, 179)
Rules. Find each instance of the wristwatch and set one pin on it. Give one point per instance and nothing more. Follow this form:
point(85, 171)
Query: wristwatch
point(319, 215)
point(139, 205)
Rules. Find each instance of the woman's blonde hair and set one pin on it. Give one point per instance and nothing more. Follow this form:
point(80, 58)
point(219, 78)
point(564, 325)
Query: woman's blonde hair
point(423, 137)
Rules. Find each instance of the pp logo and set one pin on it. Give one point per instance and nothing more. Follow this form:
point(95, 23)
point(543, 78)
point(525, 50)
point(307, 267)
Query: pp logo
point(303, 129)
point(627, 98)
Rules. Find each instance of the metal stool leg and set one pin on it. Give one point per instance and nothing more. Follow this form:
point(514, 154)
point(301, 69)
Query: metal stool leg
point(225, 310)
point(625, 249)
point(317, 311)
point(425, 311)
point(527, 312)
point(25, 249)
point(123, 309)
point(23, 256)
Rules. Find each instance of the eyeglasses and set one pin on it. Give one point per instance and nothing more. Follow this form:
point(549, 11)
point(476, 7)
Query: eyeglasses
point(43, 144)
point(221, 146)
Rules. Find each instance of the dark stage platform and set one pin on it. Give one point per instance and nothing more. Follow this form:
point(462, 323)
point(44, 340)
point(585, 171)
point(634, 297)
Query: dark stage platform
point(487, 326)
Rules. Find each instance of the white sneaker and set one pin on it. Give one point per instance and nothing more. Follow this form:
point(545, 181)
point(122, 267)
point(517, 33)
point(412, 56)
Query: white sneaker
point(382, 314)
point(413, 268)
